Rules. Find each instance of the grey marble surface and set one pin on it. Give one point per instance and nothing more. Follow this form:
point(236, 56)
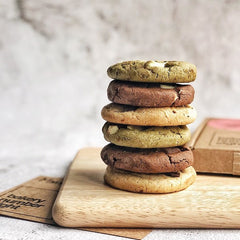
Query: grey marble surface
point(53, 61)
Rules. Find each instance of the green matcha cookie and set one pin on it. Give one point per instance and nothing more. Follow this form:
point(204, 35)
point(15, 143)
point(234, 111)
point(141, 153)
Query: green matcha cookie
point(153, 71)
point(146, 137)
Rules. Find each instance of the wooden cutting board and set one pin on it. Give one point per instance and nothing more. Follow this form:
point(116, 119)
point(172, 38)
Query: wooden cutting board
point(213, 201)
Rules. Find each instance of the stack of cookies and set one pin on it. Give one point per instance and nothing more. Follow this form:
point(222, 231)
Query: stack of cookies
point(146, 126)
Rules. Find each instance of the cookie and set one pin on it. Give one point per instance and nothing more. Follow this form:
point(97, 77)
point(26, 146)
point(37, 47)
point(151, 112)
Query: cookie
point(154, 160)
point(150, 94)
point(153, 71)
point(146, 137)
point(165, 116)
point(149, 183)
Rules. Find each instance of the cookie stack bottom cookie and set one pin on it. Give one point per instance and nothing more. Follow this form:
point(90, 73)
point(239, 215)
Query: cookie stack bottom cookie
point(146, 127)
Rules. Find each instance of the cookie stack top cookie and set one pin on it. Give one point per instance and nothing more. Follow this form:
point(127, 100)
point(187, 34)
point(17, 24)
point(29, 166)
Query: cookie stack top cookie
point(153, 71)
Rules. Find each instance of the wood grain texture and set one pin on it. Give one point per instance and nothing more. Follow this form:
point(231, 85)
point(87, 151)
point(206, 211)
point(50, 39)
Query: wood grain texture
point(85, 201)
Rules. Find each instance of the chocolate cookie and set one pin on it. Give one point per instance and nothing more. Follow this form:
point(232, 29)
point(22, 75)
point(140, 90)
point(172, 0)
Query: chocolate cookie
point(150, 94)
point(140, 116)
point(146, 137)
point(155, 160)
point(149, 183)
point(153, 71)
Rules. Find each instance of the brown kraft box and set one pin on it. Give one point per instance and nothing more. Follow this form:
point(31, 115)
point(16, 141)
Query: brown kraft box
point(216, 146)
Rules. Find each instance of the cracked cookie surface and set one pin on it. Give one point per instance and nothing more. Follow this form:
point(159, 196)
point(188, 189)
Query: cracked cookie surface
point(150, 94)
point(149, 183)
point(153, 71)
point(146, 137)
point(156, 160)
point(164, 116)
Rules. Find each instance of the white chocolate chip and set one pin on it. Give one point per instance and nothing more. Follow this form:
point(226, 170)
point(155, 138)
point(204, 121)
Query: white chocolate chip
point(163, 86)
point(156, 64)
point(112, 129)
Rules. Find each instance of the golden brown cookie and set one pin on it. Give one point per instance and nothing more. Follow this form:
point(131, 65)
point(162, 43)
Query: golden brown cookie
point(149, 183)
point(146, 137)
point(153, 160)
point(153, 71)
point(165, 116)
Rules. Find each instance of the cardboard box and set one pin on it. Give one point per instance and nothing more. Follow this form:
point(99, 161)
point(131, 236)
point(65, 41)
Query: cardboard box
point(216, 146)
